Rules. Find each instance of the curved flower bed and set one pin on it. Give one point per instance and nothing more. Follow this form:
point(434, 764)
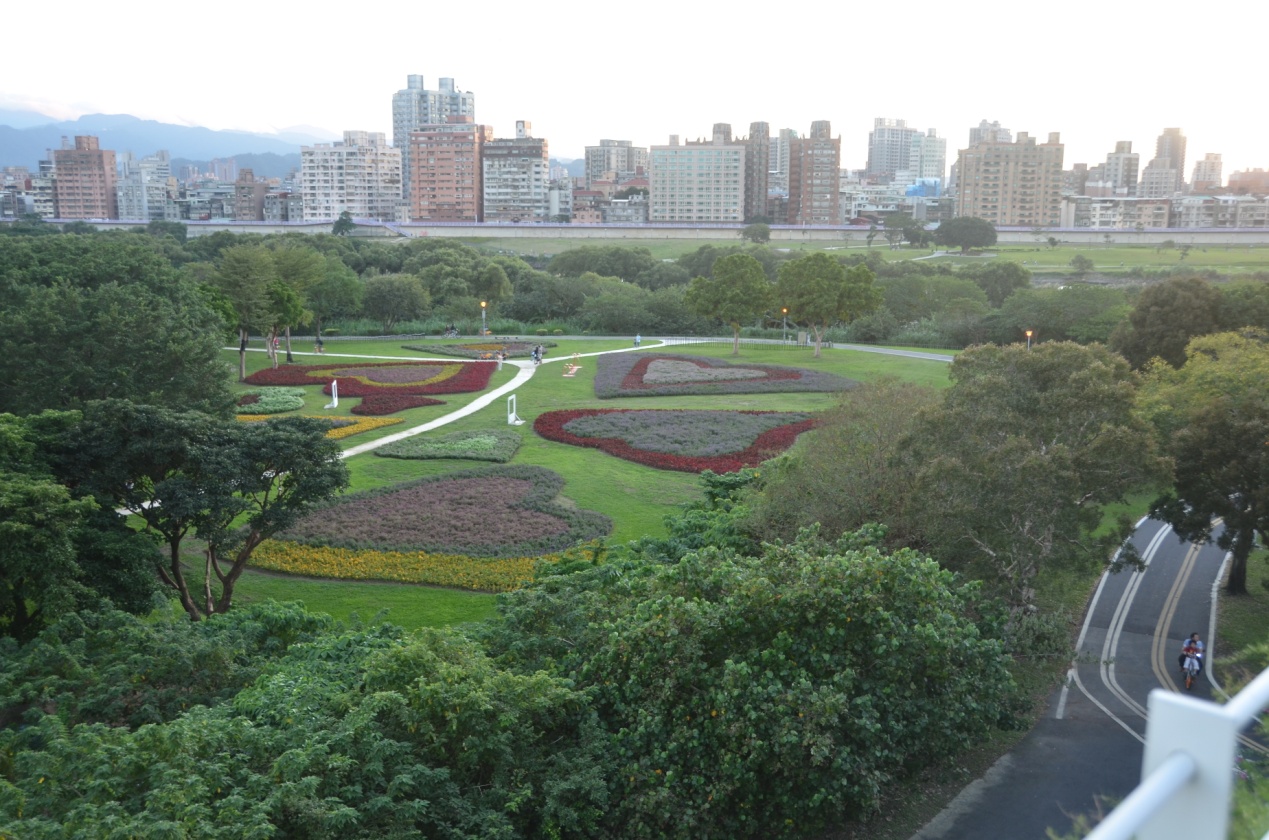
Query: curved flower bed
point(273, 400)
point(484, 512)
point(686, 441)
point(663, 374)
point(481, 349)
point(498, 445)
point(341, 427)
point(376, 405)
point(483, 574)
point(401, 378)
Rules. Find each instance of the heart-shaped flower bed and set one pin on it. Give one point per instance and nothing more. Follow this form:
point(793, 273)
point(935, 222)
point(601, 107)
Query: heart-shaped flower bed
point(487, 512)
point(661, 374)
point(687, 441)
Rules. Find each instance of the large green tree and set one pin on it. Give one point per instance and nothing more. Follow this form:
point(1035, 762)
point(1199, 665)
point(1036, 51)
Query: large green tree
point(1165, 318)
point(392, 298)
point(819, 291)
point(604, 260)
point(1000, 279)
point(737, 292)
point(966, 232)
point(299, 269)
point(1212, 415)
point(1023, 454)
point(246, 275)
point(85, 318)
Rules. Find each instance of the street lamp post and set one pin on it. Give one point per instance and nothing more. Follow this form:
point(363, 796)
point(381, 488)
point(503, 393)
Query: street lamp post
point(484, 304)
point(784, 311)
point(1028, 339)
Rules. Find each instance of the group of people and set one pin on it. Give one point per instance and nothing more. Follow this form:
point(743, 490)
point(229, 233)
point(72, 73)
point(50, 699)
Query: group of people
point(538, 352)
point(1192, 648)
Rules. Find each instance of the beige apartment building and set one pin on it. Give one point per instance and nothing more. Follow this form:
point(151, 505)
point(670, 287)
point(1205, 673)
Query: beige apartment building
point(702, 181)
point(1015, 184)
point(84, 181)
point(360, 176)
point(815, 177)
point(447, 182)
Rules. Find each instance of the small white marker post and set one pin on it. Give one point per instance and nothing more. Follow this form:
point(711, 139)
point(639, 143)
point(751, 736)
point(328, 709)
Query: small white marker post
point(334, 394)
point(513, 419)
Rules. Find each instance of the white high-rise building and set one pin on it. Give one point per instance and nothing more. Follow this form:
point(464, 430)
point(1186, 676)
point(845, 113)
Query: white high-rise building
point(697, 182)
point(889, 148)
point(778, 161)
point(989, 132)
point(361, 175)
point(142, 188)
point(617, 160)
point(415, 107)
point(1122, 169)
point(928, 156)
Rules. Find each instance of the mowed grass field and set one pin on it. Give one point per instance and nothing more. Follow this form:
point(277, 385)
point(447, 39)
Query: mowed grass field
point(1109, 258)
point(637, 498)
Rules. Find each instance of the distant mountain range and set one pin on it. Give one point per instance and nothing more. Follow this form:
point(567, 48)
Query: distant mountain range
point(27, 136)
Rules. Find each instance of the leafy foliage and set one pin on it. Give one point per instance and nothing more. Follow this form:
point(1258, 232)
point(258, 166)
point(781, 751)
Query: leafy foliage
point(819, 291)
point(272, 400)
point(737, 291)
point(1164, 320)
point(966, 232)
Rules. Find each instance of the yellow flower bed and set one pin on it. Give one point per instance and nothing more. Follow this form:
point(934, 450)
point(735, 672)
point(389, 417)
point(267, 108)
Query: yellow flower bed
point(456, 570)
point(356, 426)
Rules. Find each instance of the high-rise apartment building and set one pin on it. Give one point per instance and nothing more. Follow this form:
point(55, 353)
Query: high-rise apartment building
point(697, 182)
point(757, 159)
point(1171, 145)
point(1012, 184)
point(815, 177)
point(889, 148)
point(1250, 182)
point(516, 178)
point(1122, 169)
point(145, 188)
point(1159, 179)
point(614, 160)
point(249, 197)
point(361, 175)
point(84, 181)
point(1207, 174)
point(416, 106)
point(989, 132)
point(928, 156)
point(448, 174)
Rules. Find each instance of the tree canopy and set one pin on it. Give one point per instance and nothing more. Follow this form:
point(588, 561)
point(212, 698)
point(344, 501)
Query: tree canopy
point(1166, 316)
point(1212, 415)
point(738, 291)
point(966, 232)
point(819, 291)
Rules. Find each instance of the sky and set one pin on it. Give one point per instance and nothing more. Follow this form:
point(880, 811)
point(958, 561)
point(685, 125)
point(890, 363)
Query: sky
point(1097, 72)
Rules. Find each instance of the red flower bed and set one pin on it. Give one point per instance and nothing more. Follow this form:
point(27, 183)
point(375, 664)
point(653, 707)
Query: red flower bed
point(446, 378)
point(377, 405)
point(550, 425)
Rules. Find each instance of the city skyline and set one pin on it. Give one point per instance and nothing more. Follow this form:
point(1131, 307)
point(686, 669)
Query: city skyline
point(677, 70)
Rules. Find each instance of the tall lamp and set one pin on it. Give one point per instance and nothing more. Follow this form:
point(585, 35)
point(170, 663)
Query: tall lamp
point(484, 304)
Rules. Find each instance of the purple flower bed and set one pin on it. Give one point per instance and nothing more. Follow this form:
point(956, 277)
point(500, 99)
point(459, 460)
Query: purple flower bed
point(700, 434)
point(662, 374)
point(487, 512)
point(554, 425)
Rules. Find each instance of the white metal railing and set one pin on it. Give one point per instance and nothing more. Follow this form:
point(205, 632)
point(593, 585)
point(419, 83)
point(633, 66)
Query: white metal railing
point(1187, 774)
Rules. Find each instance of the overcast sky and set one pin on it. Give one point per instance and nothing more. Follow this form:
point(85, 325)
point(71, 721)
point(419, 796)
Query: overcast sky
point(1097, 72)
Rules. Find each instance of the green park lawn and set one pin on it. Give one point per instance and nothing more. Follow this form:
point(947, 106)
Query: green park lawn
point(636, 497)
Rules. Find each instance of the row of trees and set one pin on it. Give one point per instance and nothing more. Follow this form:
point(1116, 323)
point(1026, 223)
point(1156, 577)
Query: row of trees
point(1009, 471)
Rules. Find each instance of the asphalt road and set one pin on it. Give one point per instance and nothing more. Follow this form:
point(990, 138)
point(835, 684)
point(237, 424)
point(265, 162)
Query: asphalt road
point(1088, 747)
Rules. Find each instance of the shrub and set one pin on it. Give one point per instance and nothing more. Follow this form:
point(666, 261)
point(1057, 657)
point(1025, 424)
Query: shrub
point(540, 332)
point(557, 332)
point(493, 445)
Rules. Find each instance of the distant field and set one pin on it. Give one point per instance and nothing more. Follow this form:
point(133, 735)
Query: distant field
point(1107, 258)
